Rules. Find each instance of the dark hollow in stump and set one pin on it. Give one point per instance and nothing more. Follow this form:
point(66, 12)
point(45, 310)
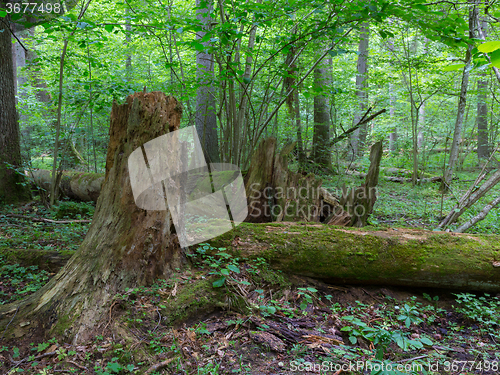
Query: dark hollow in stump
point(125, 247)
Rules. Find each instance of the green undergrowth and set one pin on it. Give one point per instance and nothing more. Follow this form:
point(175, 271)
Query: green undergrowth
point(216, 317)
point(423, 206)
point(21, 232)
point(18, 281)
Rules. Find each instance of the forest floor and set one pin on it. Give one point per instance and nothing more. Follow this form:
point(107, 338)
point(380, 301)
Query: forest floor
point(257, 320)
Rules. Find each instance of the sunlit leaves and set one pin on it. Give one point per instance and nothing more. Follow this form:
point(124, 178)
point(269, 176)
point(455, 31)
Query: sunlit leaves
point(489, 46)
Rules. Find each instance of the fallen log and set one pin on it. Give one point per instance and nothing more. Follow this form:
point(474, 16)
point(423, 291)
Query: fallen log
point(399, 257)
point(84, 187)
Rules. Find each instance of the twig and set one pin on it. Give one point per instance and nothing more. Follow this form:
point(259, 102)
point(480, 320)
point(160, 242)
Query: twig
point(39, 219)
point(159, 320)
point(77, 365)
point(357, 126)
point(109, 321)
point(412, 359)
point(159, 366)
point(14, 35)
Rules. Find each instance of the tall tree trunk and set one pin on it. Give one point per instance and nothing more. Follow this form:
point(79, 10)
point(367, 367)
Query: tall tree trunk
point(421, 110)
point(300, 142)
point(205, 117)
point(462, 101)
point(393, 135)
point(421, 125)
point(292, 101)
point(358, 138)
point(321, 136)
point(126, 246)
point(483, 150)
point(11, 188)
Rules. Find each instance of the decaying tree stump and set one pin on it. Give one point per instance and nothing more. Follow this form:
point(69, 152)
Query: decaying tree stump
point(125, 247)
point(357, 203)
point(275, 193)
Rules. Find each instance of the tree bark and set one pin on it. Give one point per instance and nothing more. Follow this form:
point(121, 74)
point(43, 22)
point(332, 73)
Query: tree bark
point(402, 257)
point(462, 101)
point(125, 247)
point(358, 139)
point(482, 107)
point(12, 189)
point(275, 193)
point(321, 136)
point(205, 117)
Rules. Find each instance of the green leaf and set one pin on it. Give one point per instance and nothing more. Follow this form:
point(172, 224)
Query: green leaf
point(489, 46)
point(198, 46)
point(219, 283)
point(3, 13)
point(115, 367)
point(337, 52)
point(233, 268)
point(109, 28)
point(426, 341)
point(130, 368)
point(453, 67)
point(353, 339)
point(225, 271)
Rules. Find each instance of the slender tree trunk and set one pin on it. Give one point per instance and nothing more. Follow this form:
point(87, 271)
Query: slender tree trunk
point(483, 150)
point(126, 246)
point(480, 216)
point(205, 117)
point(421, 125)
point(462, 101)
point(300, 143)
point(321, 136)
point(12, 189)
point(358, 139)
point(393, 136)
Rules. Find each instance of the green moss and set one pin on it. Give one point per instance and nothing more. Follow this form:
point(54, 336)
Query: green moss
point(194, 299)
point(350, 255)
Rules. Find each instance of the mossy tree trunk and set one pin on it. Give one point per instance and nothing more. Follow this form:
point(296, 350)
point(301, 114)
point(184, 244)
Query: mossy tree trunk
point(402, 257)
point(125, 247)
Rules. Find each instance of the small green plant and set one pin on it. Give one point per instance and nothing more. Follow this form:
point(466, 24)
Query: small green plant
point(221, 264)
point(410, 315)
point(20, 281)
point(381, 336)
point(485, 309)
point(307, 296)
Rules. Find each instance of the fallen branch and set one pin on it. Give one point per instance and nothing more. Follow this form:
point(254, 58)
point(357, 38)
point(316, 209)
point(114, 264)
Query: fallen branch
point(158, 366)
